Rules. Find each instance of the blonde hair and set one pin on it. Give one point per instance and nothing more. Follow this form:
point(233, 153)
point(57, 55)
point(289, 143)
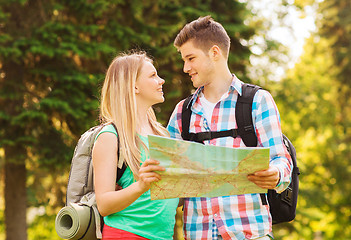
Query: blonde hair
point(204, 32)
point(118, 105)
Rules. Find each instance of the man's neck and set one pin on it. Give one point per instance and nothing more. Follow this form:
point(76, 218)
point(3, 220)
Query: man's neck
point(220, 85)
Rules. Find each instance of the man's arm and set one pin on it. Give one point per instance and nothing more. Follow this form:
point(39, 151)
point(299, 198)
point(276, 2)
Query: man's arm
point(267, 124)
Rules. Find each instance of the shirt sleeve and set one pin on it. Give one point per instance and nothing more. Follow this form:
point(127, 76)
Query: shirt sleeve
point(175, 122)
point(267, 123)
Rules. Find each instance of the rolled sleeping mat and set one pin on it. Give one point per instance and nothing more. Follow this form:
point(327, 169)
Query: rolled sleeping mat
point(76, 222)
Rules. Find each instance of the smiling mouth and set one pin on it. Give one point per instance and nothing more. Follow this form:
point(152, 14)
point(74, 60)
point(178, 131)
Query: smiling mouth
point(192, 75)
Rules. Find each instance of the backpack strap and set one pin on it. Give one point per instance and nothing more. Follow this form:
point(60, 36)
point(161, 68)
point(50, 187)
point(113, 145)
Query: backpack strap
point(186, 114)
point(120, 171)
point(200, 137)
point(91, 203)
point(243, 115)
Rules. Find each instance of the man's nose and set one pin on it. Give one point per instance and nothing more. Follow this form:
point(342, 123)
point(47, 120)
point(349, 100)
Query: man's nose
point(186, 67)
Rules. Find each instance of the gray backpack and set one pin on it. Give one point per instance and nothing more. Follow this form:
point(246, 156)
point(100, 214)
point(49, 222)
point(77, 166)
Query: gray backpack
point(80, 218)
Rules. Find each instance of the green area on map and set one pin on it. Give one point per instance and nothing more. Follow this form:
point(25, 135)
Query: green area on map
point(197, 170)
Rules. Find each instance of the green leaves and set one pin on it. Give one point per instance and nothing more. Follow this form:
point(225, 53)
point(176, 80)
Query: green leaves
point(315, 109)
point(54, 54)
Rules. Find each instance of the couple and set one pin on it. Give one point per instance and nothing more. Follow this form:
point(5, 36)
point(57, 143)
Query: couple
point(130, 89)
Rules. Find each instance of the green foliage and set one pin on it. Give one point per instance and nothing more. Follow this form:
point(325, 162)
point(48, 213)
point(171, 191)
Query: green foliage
point(315, 104)
point(53, 55)
point(43, 227)
point(61, 50)
point(2, 224)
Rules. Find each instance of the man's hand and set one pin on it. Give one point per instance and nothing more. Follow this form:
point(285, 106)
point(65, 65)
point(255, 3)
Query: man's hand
point(267, 179)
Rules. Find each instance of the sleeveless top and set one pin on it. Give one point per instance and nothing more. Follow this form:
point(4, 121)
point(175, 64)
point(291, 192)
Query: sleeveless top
point(152, 219)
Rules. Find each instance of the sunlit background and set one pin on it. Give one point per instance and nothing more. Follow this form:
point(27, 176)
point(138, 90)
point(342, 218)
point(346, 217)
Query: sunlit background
point(53, 56)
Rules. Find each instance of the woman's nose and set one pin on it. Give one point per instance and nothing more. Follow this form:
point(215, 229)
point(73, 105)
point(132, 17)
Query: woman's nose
point(161, 81)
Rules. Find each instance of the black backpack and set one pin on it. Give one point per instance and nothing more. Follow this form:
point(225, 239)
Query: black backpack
point(283, 205)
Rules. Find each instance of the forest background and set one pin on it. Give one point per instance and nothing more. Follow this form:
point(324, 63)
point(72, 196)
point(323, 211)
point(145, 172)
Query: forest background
point(53, 56)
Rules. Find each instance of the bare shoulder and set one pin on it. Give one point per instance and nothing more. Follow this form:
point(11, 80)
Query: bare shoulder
point(106, 145)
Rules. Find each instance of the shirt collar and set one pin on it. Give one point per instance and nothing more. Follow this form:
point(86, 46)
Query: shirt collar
point(236, 85)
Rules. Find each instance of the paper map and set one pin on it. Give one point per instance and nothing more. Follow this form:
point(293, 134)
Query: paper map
point(197, 170)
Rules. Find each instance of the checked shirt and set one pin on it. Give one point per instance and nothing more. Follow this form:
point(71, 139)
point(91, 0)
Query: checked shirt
point(240, 216)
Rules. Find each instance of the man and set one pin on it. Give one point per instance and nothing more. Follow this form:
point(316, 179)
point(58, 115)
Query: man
point(204, 47)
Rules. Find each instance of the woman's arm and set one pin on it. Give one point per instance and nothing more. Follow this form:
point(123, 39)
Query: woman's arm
point(105, 170)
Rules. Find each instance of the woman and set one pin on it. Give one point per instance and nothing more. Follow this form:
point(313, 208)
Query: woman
point(130, 89)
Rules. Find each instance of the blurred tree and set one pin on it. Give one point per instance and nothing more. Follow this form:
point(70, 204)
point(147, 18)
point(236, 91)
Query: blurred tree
point(315, 102)
point(53, 55)
point(48, 86)
point(270, 51)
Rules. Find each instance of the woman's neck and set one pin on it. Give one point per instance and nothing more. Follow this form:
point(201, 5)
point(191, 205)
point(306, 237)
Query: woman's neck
point(143, 125)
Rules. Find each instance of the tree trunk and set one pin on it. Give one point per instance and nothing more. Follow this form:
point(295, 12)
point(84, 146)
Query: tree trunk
point(15, 201)
point(15, 151)
point(15, 197)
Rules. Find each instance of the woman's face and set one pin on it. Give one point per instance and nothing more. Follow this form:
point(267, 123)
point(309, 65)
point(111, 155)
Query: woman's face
point(149, 85)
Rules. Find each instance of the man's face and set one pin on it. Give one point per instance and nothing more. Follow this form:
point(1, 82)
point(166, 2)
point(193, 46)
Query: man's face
point(197, 64)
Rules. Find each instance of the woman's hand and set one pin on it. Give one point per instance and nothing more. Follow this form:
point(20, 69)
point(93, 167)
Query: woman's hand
point(147, 174)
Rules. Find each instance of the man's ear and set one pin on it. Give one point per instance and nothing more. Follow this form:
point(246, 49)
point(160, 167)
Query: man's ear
point(215, 52)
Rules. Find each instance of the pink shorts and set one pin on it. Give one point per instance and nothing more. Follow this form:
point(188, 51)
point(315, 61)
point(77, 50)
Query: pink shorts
point(109, 233)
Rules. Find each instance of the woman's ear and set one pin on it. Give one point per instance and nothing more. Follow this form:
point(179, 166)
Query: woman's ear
point(136, 89)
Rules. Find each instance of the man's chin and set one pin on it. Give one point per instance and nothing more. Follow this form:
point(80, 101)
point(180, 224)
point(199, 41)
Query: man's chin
point(195, 83)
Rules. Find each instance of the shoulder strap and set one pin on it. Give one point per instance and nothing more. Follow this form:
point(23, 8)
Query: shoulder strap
point(186, 114)
point(120, 171)
point(243, 115)
point(200, 137)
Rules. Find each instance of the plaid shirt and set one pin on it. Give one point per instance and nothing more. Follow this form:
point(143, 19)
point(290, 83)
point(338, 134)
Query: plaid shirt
point(238, 216)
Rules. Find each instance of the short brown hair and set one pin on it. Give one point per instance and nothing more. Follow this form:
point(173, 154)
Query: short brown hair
point(204, 32)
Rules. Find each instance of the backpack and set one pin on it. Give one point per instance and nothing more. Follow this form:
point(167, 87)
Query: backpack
point(80, 218)
point(282, 205)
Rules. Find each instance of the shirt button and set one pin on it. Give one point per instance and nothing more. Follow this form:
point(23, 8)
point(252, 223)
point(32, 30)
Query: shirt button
point(215, 215)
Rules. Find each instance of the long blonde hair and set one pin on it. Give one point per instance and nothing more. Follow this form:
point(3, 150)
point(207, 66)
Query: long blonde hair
point(118, 105)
